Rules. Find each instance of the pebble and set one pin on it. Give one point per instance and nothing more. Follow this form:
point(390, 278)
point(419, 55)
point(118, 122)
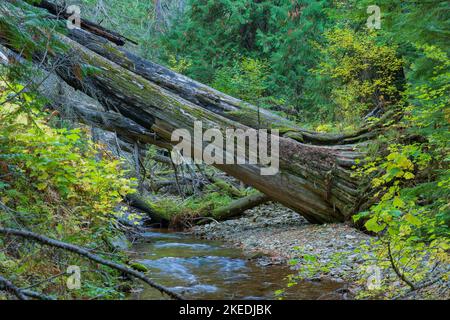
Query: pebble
point(275, 230)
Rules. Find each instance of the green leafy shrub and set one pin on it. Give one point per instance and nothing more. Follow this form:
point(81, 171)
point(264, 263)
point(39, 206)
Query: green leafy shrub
point(54, 183)
point(362, 73)
point(411, 214)
point(245, 79)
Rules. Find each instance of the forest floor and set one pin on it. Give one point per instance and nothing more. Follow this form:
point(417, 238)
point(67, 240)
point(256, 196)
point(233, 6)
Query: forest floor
point(277, 235)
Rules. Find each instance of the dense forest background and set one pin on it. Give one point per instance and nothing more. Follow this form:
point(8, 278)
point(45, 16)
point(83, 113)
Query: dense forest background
point(289, 55)
point(314, 62)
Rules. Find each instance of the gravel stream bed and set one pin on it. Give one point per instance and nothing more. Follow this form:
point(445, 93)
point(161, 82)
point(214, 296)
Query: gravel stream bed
point(283, 235)
point(274, 234)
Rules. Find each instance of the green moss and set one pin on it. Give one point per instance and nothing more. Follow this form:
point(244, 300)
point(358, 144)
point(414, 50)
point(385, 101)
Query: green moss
point(139, 267)
point(294, 135)
point(172, 208)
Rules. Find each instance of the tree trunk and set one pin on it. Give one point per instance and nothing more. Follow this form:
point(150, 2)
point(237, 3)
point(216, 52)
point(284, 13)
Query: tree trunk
point(237, 207)
point(61, 12)
point(315, 177)
point(137, 202)
point(209, 98)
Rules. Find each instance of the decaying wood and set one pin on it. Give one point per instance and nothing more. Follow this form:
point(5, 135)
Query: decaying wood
point(209, 98)
point(87, 254)
point(76, 106)
point(315, 177)
point(224, 186)
point(239, 206)
point(61, 12)
point(137, 202)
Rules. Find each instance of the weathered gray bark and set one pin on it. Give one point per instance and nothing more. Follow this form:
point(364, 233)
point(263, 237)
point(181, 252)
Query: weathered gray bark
point(209, 98)
point(315, 177)
point(61, 12)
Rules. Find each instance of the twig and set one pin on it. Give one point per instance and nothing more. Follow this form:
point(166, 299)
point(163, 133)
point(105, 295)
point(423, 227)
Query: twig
point(37, 284)
point(420, 287)
point(36, 295)
point(10, 287)
point(206, 218)
point(176, 179)
point(396, 270)
point(85, 253)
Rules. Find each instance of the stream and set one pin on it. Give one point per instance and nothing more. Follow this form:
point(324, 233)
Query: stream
point(202, 269)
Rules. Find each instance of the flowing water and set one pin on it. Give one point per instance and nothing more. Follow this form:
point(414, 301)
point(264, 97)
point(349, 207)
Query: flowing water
point(201, 269)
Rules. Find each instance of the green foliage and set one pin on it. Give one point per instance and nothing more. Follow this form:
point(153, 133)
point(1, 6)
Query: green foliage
point(362, 73)
point(288, 42)
point(407, 169)
point(245, 79)
point(192, 207)
point(27, 29)
point(214, 35)
point(406, 23)
point(180, 65)
point(54, 184)
point(133, 19)
point(315, 60)
point(412, 213)
point(429, 112)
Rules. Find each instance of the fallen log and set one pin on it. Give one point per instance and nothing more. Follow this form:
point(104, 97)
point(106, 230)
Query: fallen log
point(209, 98)
point(239, 206)
point(225, 186)
point(7, 285)
point(60, 12)
point(137, 202)
point(315, 177)
point(78, 107)
point(87, 254)
point(21, 294)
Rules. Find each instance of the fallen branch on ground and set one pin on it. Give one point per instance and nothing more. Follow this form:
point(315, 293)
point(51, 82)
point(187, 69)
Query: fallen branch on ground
point(22, 294)
point(7, 285)
point(85, 253)
point(397, 270)
point(139, 203)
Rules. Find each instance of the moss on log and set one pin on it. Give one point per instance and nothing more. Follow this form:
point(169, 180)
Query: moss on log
point(315, 177)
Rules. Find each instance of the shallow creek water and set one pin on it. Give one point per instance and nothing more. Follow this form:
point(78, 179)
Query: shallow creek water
point(201, 269)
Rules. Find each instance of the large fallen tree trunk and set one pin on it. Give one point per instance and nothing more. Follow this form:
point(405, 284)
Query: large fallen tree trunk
point(315, 176)
point(209, 98)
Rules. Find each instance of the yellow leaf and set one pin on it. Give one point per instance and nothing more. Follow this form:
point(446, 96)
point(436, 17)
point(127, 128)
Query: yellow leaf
point(413, 219)
point(41, 186)
point(398, 202)
point(409, 175)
